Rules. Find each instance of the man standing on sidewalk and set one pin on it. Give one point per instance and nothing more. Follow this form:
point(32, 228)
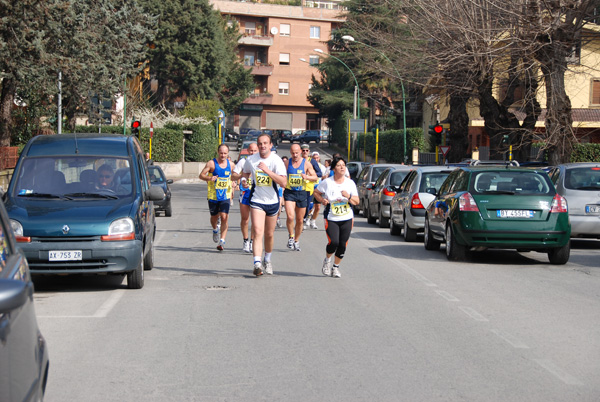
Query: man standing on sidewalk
point(217, 173)
point(298, 172)
point(266, 170)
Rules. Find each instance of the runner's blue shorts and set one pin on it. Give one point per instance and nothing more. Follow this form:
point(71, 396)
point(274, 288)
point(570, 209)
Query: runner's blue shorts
point(270, 209)
point(299, 197)
point(245, 197)
point(218, 206)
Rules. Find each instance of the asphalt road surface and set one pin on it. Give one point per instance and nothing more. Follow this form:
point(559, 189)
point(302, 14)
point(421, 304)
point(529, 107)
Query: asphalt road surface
point(402, 324)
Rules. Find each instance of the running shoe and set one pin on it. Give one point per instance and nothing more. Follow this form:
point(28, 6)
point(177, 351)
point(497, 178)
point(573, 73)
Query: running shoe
point(246, 248)
point(335, 272)
point(258, 268)
point(313, 224)
point(216, 235)
point(250, 245)
point(268, 267)
point(291, 243)
point(296, 246)
point(278, 223)
point(221, 244)
point(305, 225)
point(326, 270)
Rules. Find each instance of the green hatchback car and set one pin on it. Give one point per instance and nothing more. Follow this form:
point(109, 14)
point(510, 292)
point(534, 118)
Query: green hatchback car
point(478, 208)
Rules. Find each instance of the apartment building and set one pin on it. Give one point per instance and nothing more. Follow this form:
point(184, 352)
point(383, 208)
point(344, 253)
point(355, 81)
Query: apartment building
point(278, 43)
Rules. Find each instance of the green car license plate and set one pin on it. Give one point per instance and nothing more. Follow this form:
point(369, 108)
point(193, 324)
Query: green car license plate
point(514, 213)
point(592, 209)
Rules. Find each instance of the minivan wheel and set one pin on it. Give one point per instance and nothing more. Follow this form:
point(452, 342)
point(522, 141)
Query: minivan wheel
point(560, 255)
point(454, 251)
point(135, 278)
point(428, 241)
point(168, 210)
point(149, 259)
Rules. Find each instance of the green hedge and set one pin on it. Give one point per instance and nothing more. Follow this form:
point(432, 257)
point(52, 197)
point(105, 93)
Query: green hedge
point(586, 153)
point(167, 142)
point(391, 143)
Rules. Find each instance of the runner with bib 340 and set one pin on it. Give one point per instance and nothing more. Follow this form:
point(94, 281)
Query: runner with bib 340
point(337, 193)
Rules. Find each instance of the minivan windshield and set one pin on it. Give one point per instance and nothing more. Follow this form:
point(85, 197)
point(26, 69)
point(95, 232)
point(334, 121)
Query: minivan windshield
point(74, 177)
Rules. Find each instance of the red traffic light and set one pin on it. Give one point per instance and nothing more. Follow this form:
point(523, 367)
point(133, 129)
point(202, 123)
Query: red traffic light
point(136, 124)
point(438, 129)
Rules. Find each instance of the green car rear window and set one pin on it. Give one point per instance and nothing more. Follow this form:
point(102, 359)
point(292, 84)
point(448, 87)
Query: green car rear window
point(512, 182)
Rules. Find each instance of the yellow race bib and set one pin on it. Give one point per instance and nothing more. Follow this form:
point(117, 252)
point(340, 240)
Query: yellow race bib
point(262, 179)
point(340, 208)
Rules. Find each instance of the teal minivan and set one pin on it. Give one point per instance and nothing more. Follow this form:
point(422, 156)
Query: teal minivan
point(83, 203)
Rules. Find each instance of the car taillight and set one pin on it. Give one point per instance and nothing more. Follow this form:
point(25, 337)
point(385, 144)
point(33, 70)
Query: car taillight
point(416, 203)
point(466, 202)
point(388, 192)
point(559, 204)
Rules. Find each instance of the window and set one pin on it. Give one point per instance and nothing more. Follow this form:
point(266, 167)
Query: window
point(574, 57)
point(284, 30)
point(284, 88)
point(596, 91)
point(315, 32)
point(248, 59)
point(313, 60)
point(284, 59)
point(250, 27)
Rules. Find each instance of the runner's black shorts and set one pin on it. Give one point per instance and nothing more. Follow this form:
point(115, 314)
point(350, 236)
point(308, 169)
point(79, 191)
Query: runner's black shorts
point(299, 197)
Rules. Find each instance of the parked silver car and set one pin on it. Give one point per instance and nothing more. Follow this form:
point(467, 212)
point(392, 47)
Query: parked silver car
point(579, 183)
point(365, 180)
point(408, 206)
point(384, 189)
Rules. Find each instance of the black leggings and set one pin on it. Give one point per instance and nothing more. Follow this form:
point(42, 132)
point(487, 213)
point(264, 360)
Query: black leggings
point(338, 234)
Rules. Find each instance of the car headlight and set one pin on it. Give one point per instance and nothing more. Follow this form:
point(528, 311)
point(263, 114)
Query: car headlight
point(120, 229)
point(16, 227)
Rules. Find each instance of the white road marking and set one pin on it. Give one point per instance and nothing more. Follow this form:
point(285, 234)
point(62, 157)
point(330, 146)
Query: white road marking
point(396, 261)
point(102, 311)
point(473, 314)
point(558, 372)
point(510, 339)
point(446, 295)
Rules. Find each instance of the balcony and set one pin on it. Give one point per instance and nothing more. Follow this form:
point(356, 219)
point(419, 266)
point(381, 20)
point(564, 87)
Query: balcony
point(259, 99)
point(256, 40)
point(260, 69)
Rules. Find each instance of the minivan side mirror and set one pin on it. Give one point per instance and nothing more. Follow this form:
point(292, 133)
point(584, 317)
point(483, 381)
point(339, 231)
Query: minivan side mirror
point(155, 193)
point(169, 181)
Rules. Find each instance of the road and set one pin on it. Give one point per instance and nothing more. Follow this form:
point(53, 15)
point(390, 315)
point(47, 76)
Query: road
point(402, 324)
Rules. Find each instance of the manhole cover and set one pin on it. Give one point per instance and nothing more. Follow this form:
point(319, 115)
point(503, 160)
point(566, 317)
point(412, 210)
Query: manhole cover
point(218, 288)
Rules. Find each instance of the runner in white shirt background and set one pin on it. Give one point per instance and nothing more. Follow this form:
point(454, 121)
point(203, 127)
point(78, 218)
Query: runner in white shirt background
point(267, 170)
point(337, 193)
point(245, 198)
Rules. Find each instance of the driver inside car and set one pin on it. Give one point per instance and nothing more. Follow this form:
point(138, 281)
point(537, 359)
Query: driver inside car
point(105, 177)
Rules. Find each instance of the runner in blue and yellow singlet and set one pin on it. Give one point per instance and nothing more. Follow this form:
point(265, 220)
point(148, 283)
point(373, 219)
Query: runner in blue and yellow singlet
point(217, 173)
point(299, 171)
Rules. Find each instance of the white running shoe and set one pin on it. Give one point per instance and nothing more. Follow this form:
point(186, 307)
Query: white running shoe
point(313, 224)
point(268, 267)
point(326, 269)
point(246, 248)
point(305, 225)
point(221, 245)
point(335, 272)
point(278, 223)
point(258, 268)
point(250, 245)
point(216, 235)
point(291, 243)
point(296, 246)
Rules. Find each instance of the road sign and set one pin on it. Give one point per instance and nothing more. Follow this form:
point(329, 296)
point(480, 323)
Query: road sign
point(445, 149)
point(357, 125)
point(221, 114)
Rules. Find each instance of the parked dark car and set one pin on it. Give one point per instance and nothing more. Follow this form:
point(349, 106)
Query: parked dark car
point(83, 203)
point(158, 178)
point(23, 351)
point(365, 180)
point(498, 207)
point(251, 135)
point(380, 196)
point(284, 135)
point(307, 136)
point(230, 135)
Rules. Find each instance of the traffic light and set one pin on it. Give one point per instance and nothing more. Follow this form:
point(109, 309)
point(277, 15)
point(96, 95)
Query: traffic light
point(435, 132)
point(505, 140)
point(135, 128)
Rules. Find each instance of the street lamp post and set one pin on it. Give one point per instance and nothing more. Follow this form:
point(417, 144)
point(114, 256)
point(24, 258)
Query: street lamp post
point(349, 38)
point(357, 90)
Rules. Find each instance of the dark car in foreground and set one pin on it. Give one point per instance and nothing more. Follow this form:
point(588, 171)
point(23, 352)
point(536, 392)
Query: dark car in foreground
point(158, 178)
point(82, 204)
point(579, 183)
point(24, 360)
point(498, 207)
